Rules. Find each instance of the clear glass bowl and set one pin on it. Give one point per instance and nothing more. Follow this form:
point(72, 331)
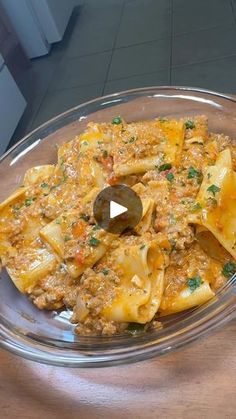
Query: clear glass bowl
point(48, 337)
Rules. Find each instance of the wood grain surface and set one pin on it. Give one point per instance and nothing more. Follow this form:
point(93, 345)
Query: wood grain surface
point(198, 381)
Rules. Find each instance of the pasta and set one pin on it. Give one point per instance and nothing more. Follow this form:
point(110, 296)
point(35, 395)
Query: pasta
point(182, 250)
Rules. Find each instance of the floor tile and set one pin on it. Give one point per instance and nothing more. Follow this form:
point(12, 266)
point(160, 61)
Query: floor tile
point(96, 28)
point(59, 101)
point(192, 15)
point(81, 71)
point(233, 2)
point(144, 80)
point(144, 20)
point(33, 84)
point(217, 75)
point(140, 59)
point(204, 45)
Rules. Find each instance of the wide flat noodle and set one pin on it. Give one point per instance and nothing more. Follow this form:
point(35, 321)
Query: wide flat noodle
point(187, 299)
point(217, 197)
point(141, 146)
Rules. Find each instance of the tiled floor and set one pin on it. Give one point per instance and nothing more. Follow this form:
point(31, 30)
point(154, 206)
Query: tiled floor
point(113, 45)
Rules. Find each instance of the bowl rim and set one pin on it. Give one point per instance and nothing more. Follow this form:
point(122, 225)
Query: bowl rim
point(142, 347)
point(114, 95)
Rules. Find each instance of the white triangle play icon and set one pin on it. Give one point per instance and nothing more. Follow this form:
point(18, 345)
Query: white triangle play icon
point(116, 209)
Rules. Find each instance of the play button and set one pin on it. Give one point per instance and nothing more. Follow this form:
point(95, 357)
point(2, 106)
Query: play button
point(117, 208)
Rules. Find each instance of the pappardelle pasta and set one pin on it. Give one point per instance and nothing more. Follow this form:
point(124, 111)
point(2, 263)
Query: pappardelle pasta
point(180, 253)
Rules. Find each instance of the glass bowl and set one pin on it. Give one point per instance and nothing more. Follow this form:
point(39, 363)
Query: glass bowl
point(48, 337)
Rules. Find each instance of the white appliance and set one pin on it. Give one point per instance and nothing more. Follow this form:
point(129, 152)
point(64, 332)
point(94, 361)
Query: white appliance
point(12, 105)
point(38, 23)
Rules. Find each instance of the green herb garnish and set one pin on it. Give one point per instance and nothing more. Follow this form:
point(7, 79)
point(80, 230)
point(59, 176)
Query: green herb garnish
point(211, 202)
point(136, 328)
point(93, 242)
point(165, 166)
point(173, 244)
point(170, 177)
point(130, 140)
point(117, 120)
point(194, 283)
point(67, 238)
point(85, 217)
point(193, 173)
point(229, 269)
point(105, 271)
point(29, 201)
point(44, 185)
point(172, 219)
point(96, 227)
point(105, 154)
point(196, 207)
point(142, 247)
point(213, 189)
point(189, 124)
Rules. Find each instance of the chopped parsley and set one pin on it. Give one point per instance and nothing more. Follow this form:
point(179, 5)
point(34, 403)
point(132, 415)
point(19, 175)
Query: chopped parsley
point(194, 283)
point(96, 227)
point(65, 177)
point(165, 166)
point(44, 185)
point(172, 219)
point(142, 247)
point(173, 244)
point(93, 242)
point(105, 154)
point(170, 177)
point(58, 221)
point(29, 201)
point(84, 143)
point(67, 238)
point(136, 328)
point(211, 202)
point(105, 271)
point(189, 124)
point(85, 217)
point(208, 175)
point(16, 208)
point(229, 269)
point(117, 120)
point(193, 173)
point(162, 120)
point(130, 140)
point(196, 207)
point(213, 189)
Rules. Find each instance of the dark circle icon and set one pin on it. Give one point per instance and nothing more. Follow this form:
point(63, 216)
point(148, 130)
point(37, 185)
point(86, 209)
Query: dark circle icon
point(117, 208)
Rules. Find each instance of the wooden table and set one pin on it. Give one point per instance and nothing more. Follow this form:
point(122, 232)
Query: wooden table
point(198, 381)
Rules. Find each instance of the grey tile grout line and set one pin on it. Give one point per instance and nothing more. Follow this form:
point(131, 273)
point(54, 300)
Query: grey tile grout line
point(232, 8)
point(171, 41)
point(147, 42)
point(204, 61)
point(113, 47)
point(146, 73)
point(133, 75)
point(141, 74)
point(29, 127)
point(45, 94)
